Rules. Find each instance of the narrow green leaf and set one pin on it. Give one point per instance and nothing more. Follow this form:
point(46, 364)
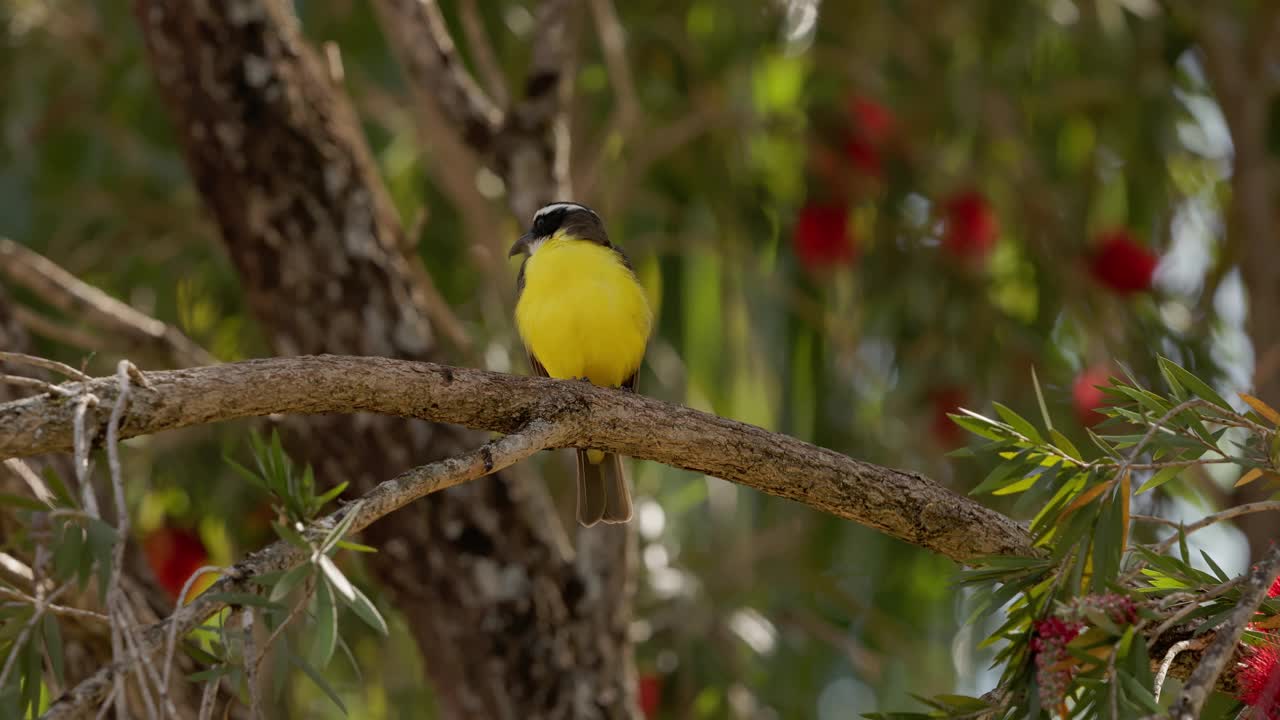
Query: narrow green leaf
point(341, 585)
point(32, 672)
point(67, 553)
point(362, 606)
point(1020, 424)
point(324, 632)
point(252, 477)
point(318, 679)
point(356, 547)
point(1222, 576)
point(1194, 384)
point(981, 426)
point(1161, 477)
point(333, 492)
point(53, 644)
point(1064, 444)
point(289, 581)
point(54, 481)
point(1044, 409)
point(23, 502)
point(340, 530)
point(1139, 692)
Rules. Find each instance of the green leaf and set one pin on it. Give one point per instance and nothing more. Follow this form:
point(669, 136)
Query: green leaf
point(32, 667)
point(318, 679)
point(67, 553)
point(1193, 383)
point(102, 540)
point(22, 502)
point(340, 530)
point(1020, 424)
point(980, 426)
point(356, 547)
point(244, 472)
point(53, 644)
point(341, 585)
point(1161, 477)
point(59, 488)
point(1139, 692)
point(1222, 576)
point(325, 630)
point(1064, 444)
point(334, 492)
point(365, 609)
point(289, 581)
point(1044, 409)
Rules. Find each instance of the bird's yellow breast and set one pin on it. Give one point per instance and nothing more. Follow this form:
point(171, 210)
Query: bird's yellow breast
point(582, 313)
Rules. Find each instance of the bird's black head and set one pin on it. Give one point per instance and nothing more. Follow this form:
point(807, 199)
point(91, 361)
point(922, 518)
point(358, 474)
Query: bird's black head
point(566, 218)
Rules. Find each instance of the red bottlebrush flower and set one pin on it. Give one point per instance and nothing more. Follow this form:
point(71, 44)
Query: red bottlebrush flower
point(1258, 679)
point(1120, 608)
point(822, 237)
point(971, 225)
point(873, 120)
point(650, 694)
point(1120, 263)
point(1275, 589)
point(873, 126)
point(864, 155)
point(1048, 645)
point(174, 554)
point(1088, 397)
point(944, 401)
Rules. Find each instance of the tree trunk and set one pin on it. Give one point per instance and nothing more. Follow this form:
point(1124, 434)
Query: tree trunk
point(510, 626)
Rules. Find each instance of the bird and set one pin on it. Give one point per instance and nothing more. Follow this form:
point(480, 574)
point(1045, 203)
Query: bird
point(582, 314)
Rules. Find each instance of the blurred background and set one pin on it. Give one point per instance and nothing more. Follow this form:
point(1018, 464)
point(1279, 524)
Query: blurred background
point(851, 217)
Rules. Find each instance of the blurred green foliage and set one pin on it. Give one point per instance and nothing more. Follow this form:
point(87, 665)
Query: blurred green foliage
point(1070, 117)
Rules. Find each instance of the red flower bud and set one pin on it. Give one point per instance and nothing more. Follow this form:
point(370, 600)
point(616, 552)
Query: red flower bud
point(1088, 397)
point(650, 694)
point(822, 236)
point(1120, 263)
point(174, 554)
point(971, 225)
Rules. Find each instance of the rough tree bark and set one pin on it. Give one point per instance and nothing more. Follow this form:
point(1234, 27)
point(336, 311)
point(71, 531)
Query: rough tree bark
point(276, 151)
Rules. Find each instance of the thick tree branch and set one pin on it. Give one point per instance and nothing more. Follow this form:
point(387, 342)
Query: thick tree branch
point(1224, 644)
point(383, 499)
point(26, 268)
point(905, 505)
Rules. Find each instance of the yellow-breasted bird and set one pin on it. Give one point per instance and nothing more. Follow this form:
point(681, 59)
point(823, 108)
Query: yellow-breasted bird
point(583, 314)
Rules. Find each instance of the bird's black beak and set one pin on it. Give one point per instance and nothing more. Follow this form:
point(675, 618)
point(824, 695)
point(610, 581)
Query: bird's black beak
point(521, 245)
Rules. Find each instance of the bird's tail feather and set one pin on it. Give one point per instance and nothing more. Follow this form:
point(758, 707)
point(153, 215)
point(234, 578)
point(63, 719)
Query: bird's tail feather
point(602, 489)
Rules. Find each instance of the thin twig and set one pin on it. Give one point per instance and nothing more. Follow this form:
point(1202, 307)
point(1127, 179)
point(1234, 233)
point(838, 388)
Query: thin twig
point(1190, 644)
point(44, 363)
point(1228, 514)
point(114, 597)
point(171, 638)
point(62, 610)
point(208, 697)
point(33, 481)
point(53, 284)
point(33, 383)
point(1202, 680)
point(81, 454)
point(250, 668)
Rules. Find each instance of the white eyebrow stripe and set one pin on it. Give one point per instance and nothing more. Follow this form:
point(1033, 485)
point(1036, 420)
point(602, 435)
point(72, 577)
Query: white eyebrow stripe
point(560, 206)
